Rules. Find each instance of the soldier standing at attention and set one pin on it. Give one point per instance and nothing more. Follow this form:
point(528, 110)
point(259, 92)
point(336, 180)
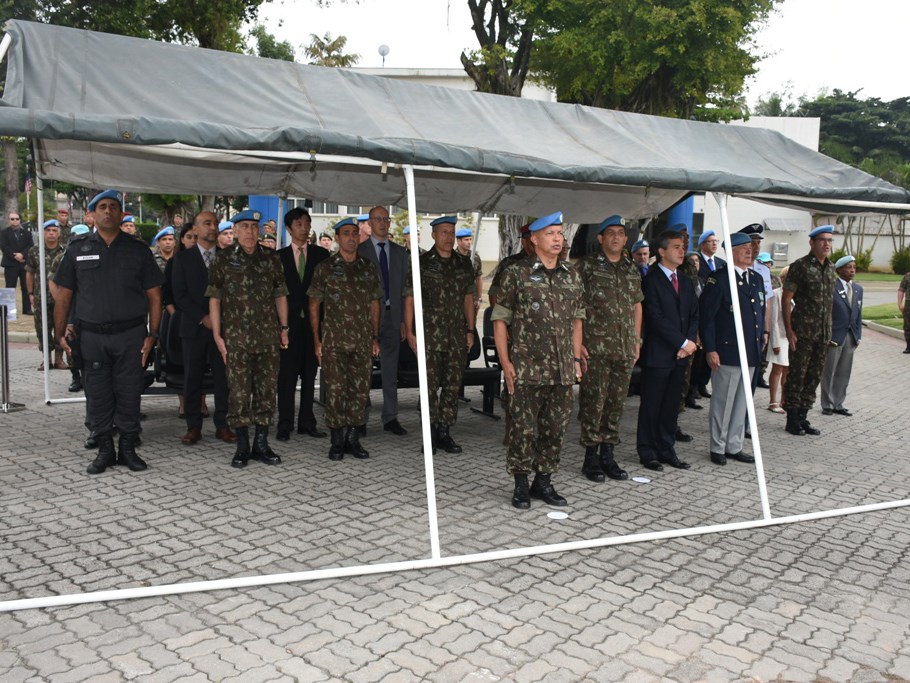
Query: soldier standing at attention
point(348, 288)
point(810, 285)
point(448, 289)
point(611, 344)
point(52, 248)
point(246, 290)
point(465, 239)
point(164, 243)
point(903, 293)
point(540, 307)
point(117, 289)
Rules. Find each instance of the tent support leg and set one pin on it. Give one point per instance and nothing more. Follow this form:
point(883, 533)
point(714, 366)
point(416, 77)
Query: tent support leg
point(746, 384)
point(42, 272)
point(422, 365)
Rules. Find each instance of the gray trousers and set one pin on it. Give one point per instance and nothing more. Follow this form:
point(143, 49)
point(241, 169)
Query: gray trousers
point(836, 375)
point(389, 346)
point(727, 416)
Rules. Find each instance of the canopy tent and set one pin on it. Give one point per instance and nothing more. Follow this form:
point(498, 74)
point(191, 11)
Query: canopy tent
point(142, 115)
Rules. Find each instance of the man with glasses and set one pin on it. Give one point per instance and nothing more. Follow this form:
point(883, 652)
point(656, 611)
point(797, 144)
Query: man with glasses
point(392, 261)
point(15, 241)
point(810, 285)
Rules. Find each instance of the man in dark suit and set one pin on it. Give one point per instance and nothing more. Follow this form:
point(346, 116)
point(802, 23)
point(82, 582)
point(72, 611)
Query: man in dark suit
point(708, 261)
point(670, 317)
point(394, 266)
point(718, 336)
point(189, 280)
point(298, 260)
point(846, 334)
point(15, 241)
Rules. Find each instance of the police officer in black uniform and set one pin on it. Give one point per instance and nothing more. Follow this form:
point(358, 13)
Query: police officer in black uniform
point(118, 288)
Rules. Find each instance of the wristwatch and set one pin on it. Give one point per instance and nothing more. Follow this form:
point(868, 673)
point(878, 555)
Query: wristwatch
point(284, 328)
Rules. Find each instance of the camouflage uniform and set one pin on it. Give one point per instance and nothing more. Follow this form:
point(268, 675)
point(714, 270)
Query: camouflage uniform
point(540, 309)
point(611, 291)
point(905, 288)
point(32, 265)
point(445, 282)
point(159, 259)
point(347, 290)
point(812, 285)
point(247, 286)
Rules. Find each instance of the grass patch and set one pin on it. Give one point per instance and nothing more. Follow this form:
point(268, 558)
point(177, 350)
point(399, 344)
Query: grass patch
point(877, 277)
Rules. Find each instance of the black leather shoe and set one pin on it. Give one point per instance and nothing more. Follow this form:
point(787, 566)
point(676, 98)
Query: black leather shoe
point(336, 451)
point(741, 457)
point(521, 496)
point(592, 468)
point(126, 453)
point(747, 434)
point(678, 464)
point(242, 454)
point(91, 441)
point(395, 427)
point(843, 411)
point(827, 411)
point(543, 490)
point(703, 392)
point(75, 385)
point(312, 431)
point(445, 441)
point(608, 464)
point(106, 457)
point(283, 435)
point(261, 450)
point(352, 444)
point(762, 384)
point(653, 465)
point(718, 459)
point(692, 403)
point(682, 436)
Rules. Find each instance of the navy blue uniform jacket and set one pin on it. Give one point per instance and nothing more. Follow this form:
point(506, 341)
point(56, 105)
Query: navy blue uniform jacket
point(717, 326)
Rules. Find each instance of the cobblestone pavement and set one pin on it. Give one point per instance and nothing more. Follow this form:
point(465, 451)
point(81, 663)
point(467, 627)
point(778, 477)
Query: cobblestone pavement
point(817, 601)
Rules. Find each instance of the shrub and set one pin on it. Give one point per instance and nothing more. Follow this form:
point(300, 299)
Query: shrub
point(863, 259)
point(900, 261)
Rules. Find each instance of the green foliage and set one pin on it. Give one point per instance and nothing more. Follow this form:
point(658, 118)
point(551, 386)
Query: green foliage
point(270, 47)
point(328, 51)
point(863, 258)
point(900, 261)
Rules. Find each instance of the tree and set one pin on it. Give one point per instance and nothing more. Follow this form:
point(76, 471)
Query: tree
point(506, 36)
point(270, 47)
point(328, 51)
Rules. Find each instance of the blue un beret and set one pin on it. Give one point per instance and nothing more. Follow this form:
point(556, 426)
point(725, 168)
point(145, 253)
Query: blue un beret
point(107, 194)
point(340, 224)
point(127, 219)
point(843, 261)
point(640, 244)
point(615, 219)
point(51, 224)
point(738, 239)
point(463, 232)
point(224, 225)
point(821, 230)
point(546, 222)
point(406, 231)
point(443, 219)
point(169, 230)
point(363, 217)
point(248, 215)
point(704, 236)
point(81, 229)
point(679, 227)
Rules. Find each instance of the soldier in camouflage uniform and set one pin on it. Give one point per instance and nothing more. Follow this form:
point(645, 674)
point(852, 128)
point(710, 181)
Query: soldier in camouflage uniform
point(77, 232)
point(448, 289)
point(52, 249)
point(464, 241)
point(246, 290)
point(903, 293)
point(541, 309)
point(612, 341)
point(810, 284)
point(348, 288)
point(164, 243)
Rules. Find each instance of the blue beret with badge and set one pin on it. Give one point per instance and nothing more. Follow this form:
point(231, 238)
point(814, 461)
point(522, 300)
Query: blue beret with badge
point(843, 261)
point(363, 217)
point(640, 244)
point(754, 231)
point(340, 224)
point(107, 194)
point(704, 236)
point(81, 229)
point(615, 219)
point(51, 224)
point(452, 220)
point(224, 225)
point(127, 219)
point(463, 232)
point(248, 215)
point(738, 239)
point(679, 227)
point(169, 230)
point(822, 230)
point(546, 222)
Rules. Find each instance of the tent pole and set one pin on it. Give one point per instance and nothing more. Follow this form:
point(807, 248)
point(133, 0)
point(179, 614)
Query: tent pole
point(746, 383)
point(4, 45)
point(422, 365)
point(42, 272)
point(282, 235)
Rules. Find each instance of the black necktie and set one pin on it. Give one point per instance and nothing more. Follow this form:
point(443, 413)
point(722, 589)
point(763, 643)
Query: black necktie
point(384, 270)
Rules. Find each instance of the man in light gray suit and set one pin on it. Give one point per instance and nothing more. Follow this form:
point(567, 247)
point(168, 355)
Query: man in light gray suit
point(393, 264)
point(846, 334)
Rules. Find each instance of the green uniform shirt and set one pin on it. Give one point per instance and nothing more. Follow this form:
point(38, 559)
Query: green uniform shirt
point(611, 291)
point(347, 290)
point(812, 284)
point(32, 265)
point(445, 282)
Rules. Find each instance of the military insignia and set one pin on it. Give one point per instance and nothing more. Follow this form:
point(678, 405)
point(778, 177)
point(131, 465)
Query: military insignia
point(338, 270)
point(535, 306)
point(536, 277)
point(711, 281)
point(85, 247)
point(257, 215)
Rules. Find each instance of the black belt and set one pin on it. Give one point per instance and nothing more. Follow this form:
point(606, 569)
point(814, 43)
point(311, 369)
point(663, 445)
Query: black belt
point(111, 328)
point(388, 307)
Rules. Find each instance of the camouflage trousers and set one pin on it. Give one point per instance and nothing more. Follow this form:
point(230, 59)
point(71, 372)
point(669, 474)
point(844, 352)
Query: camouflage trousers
point(907, 322)
point(540, 415)
point(51, 338)
point(445, 370)
point(346, 375)
point(252, 379)
point(807, 362)
point(601, 399)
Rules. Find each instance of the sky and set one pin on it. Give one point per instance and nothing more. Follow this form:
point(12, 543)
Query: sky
point(809, 44)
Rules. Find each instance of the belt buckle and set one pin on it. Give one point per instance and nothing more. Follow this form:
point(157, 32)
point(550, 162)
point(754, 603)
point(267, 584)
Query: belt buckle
point(106, 328)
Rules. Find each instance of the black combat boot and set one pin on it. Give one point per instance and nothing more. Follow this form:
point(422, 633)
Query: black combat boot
point(793, 423)
point(521, 497)
point(242, 454)
point(352, 444)
point(907, 350)
point(804, 423)
point(336, 450)
point(106, 457)
point(434, 437)
point(445, 441)
point(126, 454)
point(76, 384)
point(261, 450)
point(543, 490)
point(608, 464)
point(91, 441)
point(591, 467)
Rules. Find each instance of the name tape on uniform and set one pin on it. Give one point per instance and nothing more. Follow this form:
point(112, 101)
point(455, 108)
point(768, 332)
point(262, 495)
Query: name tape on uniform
point(89, 257)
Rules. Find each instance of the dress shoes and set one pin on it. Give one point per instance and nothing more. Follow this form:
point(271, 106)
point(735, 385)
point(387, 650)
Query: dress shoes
point(843, 411)
point(653, 465)
point(312, 431)
point(283, 435)
point(521, 496)
point(692, 403)
point(741, 457)
point(193, 435)
point(76, 385)
point(762, 384)
point(703, 392)
point(827, 411)
point(747, 434)
point(395, 427)
point(678, 464)
point(682, 437)
point(719, 459)
point(543, 490)
point(225, 434)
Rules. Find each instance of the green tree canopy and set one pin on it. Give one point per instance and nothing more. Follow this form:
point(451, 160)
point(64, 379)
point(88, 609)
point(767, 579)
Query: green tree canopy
point(270, 47)
point(328, 51)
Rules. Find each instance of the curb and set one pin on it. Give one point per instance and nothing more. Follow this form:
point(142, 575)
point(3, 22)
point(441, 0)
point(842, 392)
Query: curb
point(884, 329)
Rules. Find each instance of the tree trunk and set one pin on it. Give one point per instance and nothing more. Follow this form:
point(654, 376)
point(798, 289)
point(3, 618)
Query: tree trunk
point(207, 201)
point(11, 167)
point(509, 239)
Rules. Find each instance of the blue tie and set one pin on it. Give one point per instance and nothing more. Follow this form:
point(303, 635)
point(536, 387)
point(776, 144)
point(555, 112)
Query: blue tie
point(711, 264)
point(384, 269)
